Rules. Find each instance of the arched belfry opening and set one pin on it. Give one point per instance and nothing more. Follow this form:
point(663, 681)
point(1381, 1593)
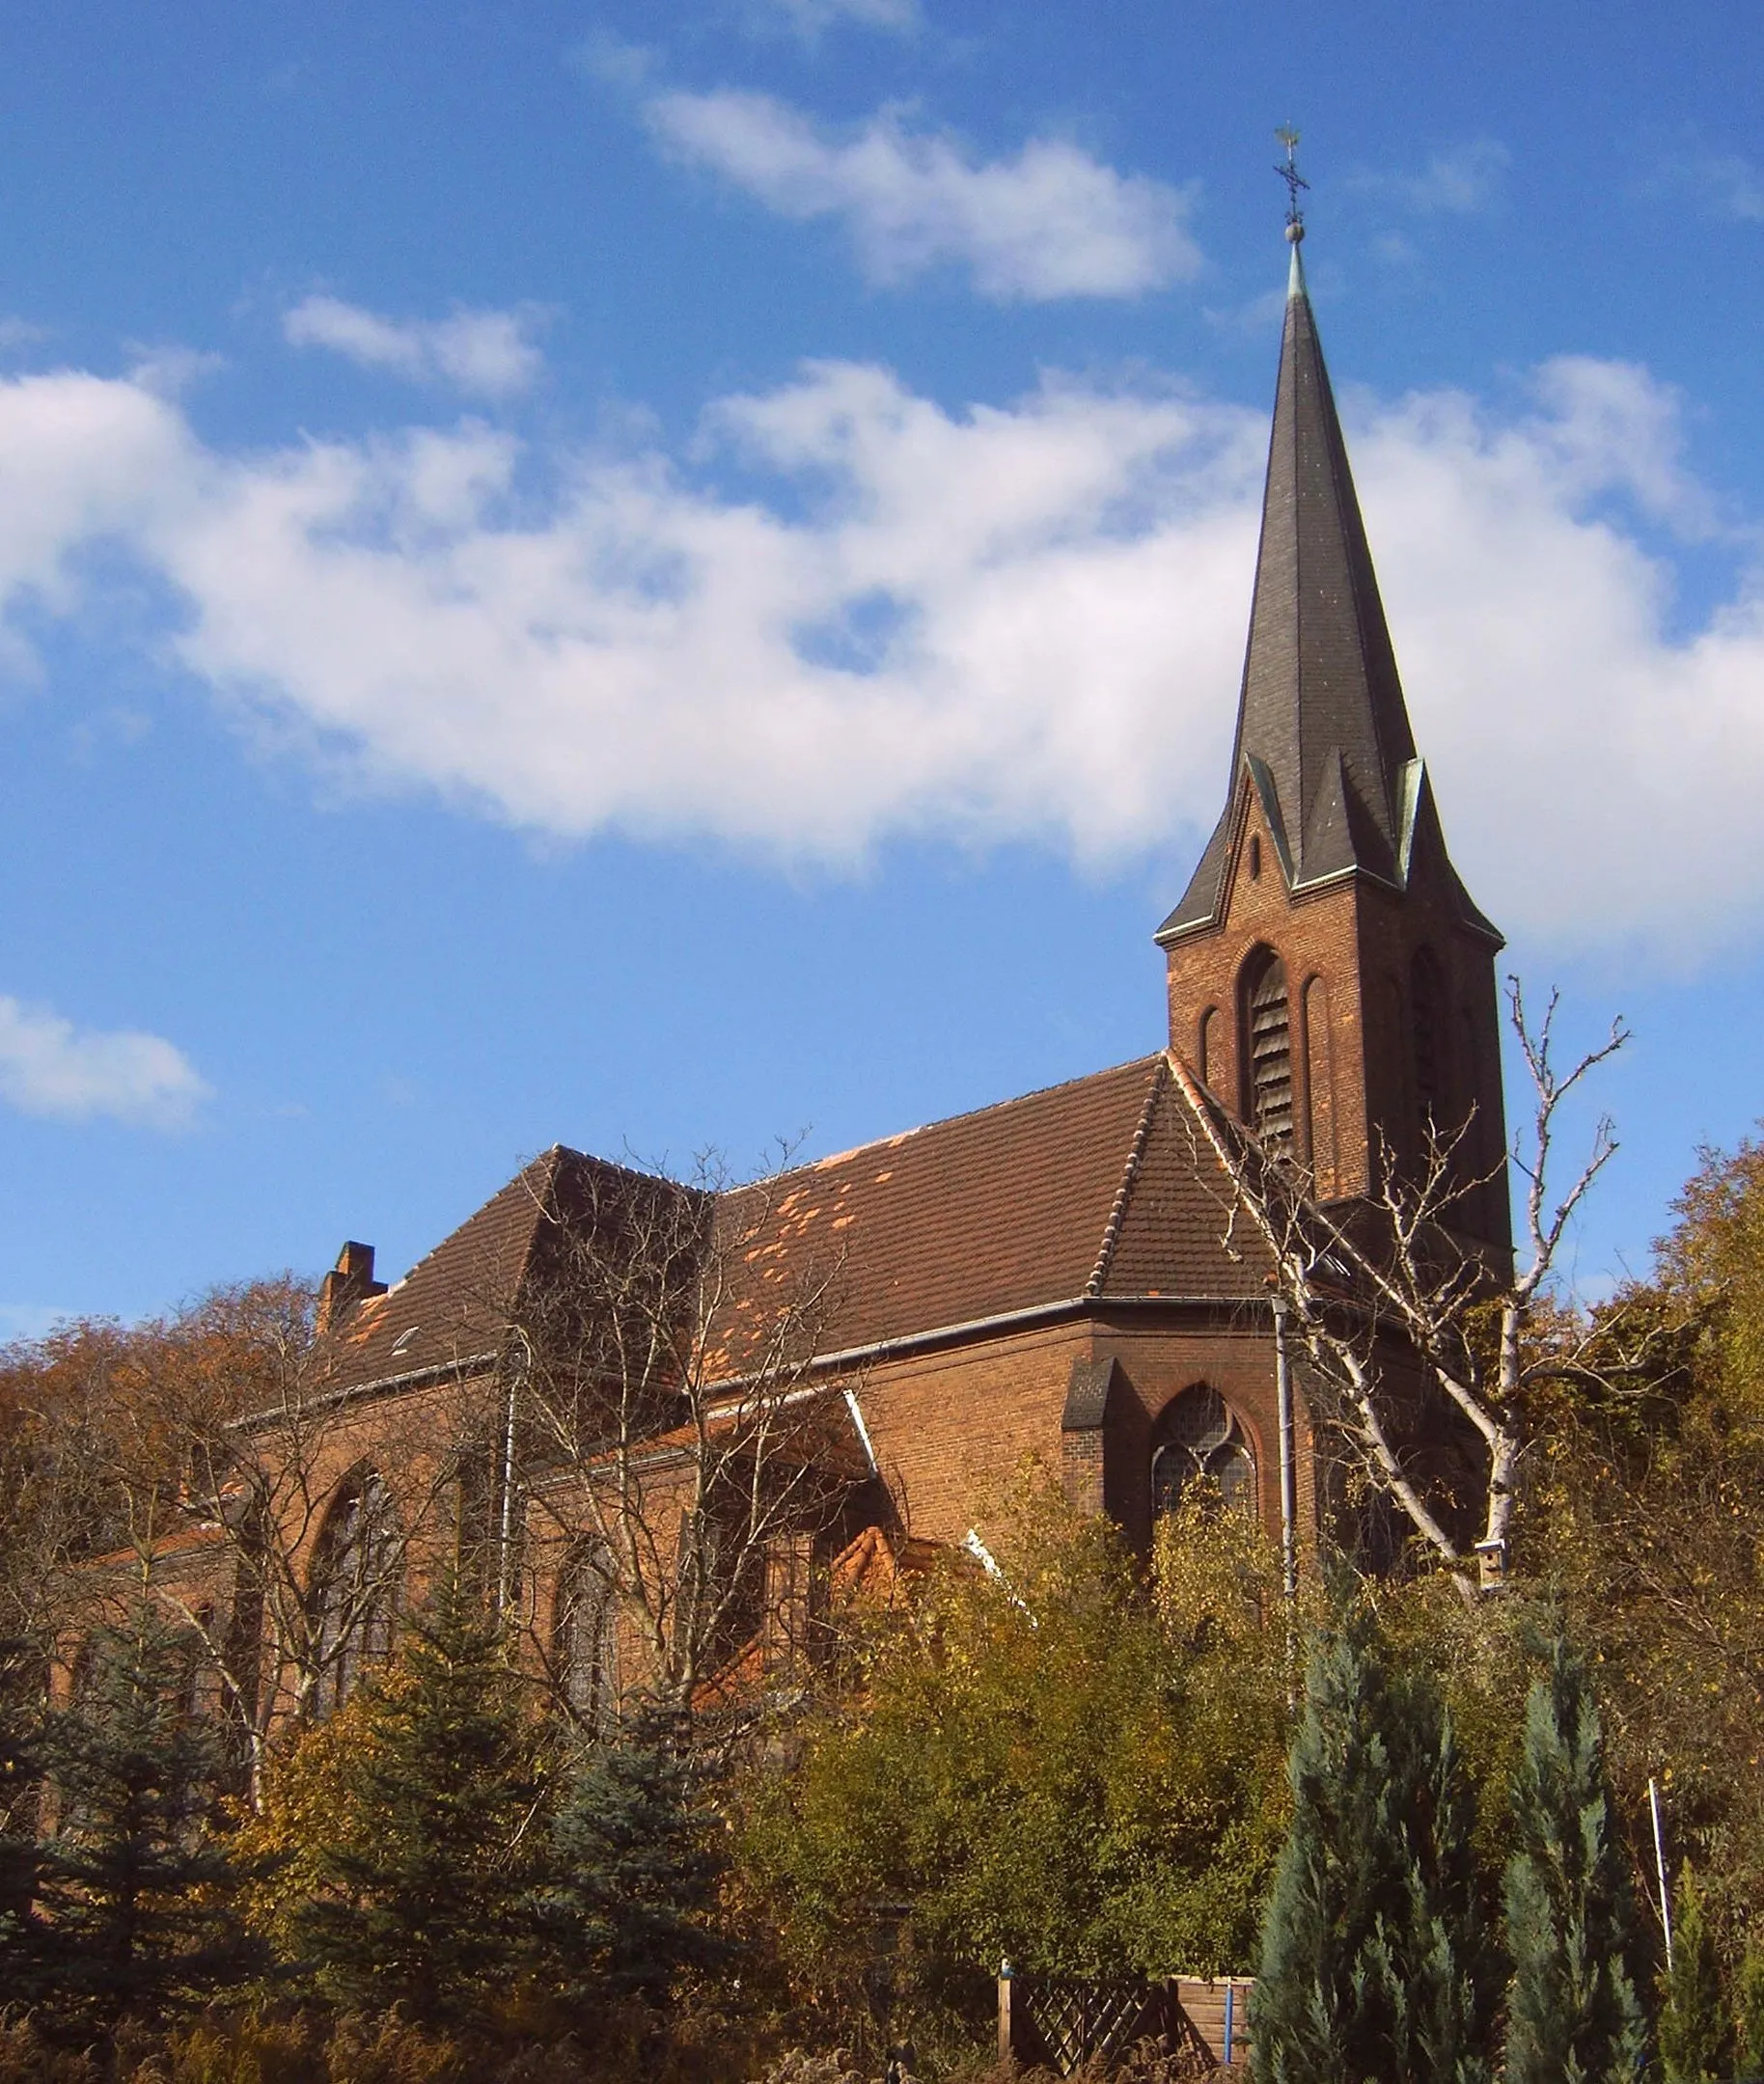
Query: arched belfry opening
point(1428, 1027)
point(1266, 1026)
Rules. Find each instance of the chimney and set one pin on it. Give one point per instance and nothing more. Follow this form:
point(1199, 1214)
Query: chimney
point(348, 1284)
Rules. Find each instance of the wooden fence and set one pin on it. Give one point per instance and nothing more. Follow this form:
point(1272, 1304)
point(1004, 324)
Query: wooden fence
point(1062, 2024)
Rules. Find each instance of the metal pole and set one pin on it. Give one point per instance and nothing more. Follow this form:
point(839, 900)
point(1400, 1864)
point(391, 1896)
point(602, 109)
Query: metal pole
point(1289, 1510)
point(1666, 1903)
point(504, 1545)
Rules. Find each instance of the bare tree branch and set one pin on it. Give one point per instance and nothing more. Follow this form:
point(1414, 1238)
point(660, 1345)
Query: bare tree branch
point(1387, 1288)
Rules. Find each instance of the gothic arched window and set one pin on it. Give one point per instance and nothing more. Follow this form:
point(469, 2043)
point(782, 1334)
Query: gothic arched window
point(1198, 1439)
point(587, 1640)
point(1267, 1028)
point(353, 1589)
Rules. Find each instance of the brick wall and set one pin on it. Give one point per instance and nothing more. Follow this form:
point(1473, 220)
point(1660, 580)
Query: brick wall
point(1349, 949)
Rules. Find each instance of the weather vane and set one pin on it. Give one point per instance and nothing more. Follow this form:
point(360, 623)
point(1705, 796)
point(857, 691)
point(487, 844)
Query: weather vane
point(1288, 138)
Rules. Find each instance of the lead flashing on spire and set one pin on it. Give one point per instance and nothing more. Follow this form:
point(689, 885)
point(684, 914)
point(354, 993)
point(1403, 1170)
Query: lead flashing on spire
point(1295, 274)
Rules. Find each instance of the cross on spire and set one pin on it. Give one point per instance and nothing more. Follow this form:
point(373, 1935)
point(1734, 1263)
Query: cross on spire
point(1287, 138)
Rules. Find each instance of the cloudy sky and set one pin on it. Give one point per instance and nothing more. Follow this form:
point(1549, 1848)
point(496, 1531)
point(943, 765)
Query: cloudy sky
point(674, 577)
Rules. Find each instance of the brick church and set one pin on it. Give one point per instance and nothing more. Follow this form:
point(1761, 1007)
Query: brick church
point(1058, 1275)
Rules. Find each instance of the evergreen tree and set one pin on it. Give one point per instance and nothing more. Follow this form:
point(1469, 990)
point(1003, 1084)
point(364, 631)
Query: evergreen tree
point(1573, 2014)
point(422, 1886)
point(139, 1887)
point(1374, 1964)
point(634, 1868)
point(26, 1965)
point(1749, 2016)
point(1695, 2030)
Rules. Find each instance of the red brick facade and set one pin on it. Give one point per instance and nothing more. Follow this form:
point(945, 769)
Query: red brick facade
point(1046, 1279)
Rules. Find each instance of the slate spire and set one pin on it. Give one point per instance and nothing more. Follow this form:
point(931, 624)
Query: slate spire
point(1322, 730)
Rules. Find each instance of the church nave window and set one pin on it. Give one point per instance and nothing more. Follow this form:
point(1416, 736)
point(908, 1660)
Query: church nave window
point(1199, 1441)
point(588, 1641)
point(354, 1590)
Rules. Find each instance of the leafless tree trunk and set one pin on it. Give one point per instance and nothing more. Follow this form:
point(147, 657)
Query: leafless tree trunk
point(1391, 1274)
point(675, 1432)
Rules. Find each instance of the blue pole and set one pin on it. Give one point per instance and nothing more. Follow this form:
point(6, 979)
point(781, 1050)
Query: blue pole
point(1230, 1994)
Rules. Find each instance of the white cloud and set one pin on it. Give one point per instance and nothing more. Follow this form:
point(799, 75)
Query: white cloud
point(488, 353)
point(29, 1320)
point(1458, 181)
point(48, 1066)
point(810, 18)
point(1048, 222)
point(1728, 184)
point(1014, 621)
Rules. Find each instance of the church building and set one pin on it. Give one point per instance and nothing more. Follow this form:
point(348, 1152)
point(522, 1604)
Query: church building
point(1058, 1274)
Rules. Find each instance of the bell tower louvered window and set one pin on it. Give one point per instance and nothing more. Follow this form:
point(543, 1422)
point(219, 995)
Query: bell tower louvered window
point(1426, 1019)
point(1267, 1016)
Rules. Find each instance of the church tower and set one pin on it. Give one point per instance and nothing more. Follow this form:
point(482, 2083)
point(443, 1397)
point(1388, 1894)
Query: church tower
point(1331, 981)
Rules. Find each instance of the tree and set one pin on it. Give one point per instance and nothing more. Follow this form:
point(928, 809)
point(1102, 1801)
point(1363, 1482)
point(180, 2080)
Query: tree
point(25, 1940)
point(1043, 1756)
point(1647, 1510)
point(675, 1428)
point(1748, 2014)
point(421, 1877)
point(1573, 2013)
point(139, 1887)
point(1375, 1291)
point(240, 1390)
point(634, 1864)
point(199, 1457)
point(1374, 1964)
point(1696, 2026)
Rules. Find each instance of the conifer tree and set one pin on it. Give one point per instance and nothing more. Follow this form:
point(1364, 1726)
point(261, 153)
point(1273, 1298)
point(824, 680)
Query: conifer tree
point(1695, 2029)
point(422, 1886)
point(634, 1867)
point(25, 1940)
point(1374, 1964)
point(139, 1886)
point(1749, 2016)
point(1573, 2013)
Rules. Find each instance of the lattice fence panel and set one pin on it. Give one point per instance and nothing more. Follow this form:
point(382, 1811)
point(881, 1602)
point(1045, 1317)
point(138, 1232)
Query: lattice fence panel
point(1079, 2023)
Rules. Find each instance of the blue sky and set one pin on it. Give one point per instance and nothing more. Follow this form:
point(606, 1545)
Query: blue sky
point(675, 578)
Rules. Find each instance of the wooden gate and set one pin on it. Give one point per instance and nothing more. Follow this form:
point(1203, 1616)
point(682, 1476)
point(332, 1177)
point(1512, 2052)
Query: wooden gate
point(1064, 2023)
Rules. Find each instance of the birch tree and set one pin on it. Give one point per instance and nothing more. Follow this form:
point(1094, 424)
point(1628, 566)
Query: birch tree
point(675, 1428)
point(1385, 1291)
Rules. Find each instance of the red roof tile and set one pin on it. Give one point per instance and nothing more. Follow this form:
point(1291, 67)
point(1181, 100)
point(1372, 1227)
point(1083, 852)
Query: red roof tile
point(1099, 1187)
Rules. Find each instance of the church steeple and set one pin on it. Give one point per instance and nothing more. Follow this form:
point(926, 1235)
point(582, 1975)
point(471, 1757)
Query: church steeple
point(1322, 727)
point(1329, 975)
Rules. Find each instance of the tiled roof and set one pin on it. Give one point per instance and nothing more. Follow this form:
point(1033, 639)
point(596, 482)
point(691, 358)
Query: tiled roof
point(1089, 1188)
point(1095, 1188)
point(452, 1305)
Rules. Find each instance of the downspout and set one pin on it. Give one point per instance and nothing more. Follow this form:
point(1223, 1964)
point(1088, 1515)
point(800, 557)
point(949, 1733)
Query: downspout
point(505, 1559)
point(1289, 1510)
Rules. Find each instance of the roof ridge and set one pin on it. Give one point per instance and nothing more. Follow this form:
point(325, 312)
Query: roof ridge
point(537, 1176)
point(1124, 1193)
point(946, 1122)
